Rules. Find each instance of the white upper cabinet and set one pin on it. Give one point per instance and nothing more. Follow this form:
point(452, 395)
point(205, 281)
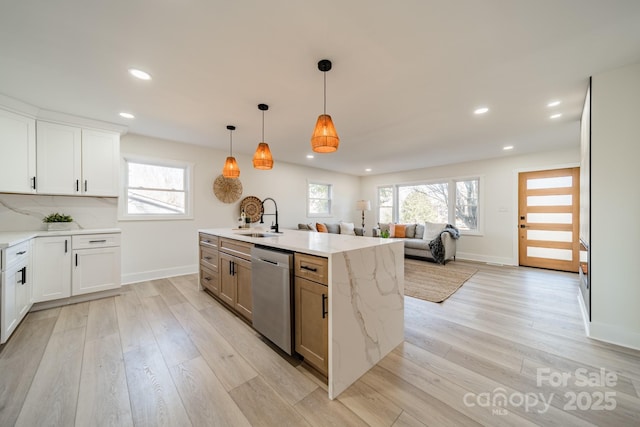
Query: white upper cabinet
point(100, 163)
point(17, 153)
point(59, 158)
point(77, 161)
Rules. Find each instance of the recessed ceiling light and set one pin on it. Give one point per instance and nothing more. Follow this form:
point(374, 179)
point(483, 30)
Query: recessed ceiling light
point(507, 147)
point(367, 170)
point(309, 156)
point(142, 75)
point(555, 116)
point(127, 115)
point(481, 110)
point(553, 103)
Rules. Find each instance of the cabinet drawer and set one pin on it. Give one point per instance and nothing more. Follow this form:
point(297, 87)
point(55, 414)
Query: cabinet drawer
point(209, 240)
point(209, 279)
point(236, 248)
point(209, 257)
point(312, 267)
point(88, 241)
point(16, 254)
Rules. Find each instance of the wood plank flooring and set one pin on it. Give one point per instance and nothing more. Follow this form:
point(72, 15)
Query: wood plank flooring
point(165, 354)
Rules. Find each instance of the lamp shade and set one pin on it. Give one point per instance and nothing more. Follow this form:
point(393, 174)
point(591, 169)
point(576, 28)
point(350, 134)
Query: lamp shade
point(262, 158)
point(325, 138)
point(363, 205)
point(231, 169)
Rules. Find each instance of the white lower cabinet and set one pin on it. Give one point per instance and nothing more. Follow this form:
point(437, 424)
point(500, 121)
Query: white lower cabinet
point(95, 270)
point(52, 268)
point(16, 288)
point(75, 265)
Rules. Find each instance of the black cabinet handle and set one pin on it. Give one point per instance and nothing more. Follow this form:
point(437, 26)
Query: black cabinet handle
point(304, 267)
point(76, 260)
point(33, 185)
point(66, 248)
point(98, 241)
point(208, 279)
point(21, 253)
point(324, 311)
point(233, 265)
point(85, 185)
point(77, 185)
point(208, 258)
point(23, 273)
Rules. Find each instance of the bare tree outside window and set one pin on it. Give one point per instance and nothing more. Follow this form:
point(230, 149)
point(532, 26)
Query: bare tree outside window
point(319, 199)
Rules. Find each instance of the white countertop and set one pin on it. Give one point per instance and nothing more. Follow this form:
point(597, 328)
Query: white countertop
point(309, 242)
point(10, 238)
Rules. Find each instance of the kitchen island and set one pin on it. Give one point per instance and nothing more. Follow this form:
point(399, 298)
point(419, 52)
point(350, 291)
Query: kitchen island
point(365, 282)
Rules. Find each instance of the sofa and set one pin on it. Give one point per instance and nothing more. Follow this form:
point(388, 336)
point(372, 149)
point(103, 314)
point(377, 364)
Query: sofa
point(335, 228)
point(423, 240)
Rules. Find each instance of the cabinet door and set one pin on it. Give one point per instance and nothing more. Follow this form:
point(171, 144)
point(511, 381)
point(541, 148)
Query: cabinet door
point(52, 268)
point(227, 279)
point(95, 270)
point(59, 157)
point(17, 153)
point(24, 291)
point(100, 163)
point(312, 323)
point(244, 297)
point(12, 279)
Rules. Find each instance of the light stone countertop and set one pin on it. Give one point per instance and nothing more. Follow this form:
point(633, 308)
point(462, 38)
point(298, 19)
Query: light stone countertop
point(10, 238)
point(309, 242)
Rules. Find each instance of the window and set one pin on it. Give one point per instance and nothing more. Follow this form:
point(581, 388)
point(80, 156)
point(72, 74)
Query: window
point(156, 189)
point(319, 199)
point(453, 201)
point(385, 204)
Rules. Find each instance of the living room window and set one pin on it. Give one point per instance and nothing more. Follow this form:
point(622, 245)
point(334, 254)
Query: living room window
point(155, 189)
point(319, 199)
point(454, 201)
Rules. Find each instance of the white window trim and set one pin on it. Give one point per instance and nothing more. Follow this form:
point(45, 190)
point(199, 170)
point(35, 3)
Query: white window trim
point(124, 178)
point(320, 215)
point(451, 181)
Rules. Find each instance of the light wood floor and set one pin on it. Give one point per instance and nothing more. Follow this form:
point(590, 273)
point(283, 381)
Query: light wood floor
point(164, 354)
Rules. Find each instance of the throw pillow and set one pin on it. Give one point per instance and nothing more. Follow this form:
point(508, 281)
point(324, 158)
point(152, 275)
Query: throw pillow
point(347, 228)
point(321, 227)
point(303, 227)
point(432, 229)
point(311, 227)
point(419, 231)
point(392, 230)
point(333, 227)
point(400, 230)
point(410, 231)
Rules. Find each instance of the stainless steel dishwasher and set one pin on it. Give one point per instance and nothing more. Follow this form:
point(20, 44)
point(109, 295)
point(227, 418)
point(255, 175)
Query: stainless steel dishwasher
point(271, 272)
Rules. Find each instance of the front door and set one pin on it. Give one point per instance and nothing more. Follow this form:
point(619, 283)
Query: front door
point(548, 219)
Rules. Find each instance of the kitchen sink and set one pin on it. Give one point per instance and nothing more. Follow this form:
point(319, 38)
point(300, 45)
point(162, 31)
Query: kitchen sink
point(257, 234)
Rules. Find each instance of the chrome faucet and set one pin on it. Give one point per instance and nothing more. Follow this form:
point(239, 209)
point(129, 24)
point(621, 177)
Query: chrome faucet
point(273, 227)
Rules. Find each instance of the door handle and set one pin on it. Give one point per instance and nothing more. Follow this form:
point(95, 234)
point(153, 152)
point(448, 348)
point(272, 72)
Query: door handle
point(523, 226)
point(66, 249)
point(34, 183)
point(85, 185)
point(23, 272)
point(77, 185)
point(304, 267)
point(76, 260)
point(324, 311)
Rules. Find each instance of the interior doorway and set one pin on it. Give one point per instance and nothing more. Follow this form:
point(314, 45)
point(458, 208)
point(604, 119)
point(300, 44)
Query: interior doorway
point(548, 219)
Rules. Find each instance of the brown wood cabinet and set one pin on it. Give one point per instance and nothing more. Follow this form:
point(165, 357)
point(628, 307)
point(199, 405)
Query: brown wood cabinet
point(311, 311)
point(209, 263)
point(235, 276)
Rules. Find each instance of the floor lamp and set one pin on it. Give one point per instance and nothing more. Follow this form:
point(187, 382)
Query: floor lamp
point(363, 205)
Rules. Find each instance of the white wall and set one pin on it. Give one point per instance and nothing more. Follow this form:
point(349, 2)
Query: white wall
point(163, 248)
point(615, 229)
point(498, 194)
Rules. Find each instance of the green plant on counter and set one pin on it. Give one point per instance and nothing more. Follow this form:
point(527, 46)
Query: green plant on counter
point(384, 233)
point(57, 217)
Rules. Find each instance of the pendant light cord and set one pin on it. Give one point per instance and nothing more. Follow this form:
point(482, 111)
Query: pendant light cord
point(262, 126)
point(325, 91)
point(230, 143)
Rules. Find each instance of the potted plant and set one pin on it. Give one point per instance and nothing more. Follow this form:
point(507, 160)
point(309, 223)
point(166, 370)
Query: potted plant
point(57, 221)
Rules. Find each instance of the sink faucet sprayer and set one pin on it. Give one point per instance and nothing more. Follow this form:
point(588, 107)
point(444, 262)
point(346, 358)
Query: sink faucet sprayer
point(273, 227)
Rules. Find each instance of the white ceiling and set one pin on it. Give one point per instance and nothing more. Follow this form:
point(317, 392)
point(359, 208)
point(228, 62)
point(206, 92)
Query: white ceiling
point(406, 74)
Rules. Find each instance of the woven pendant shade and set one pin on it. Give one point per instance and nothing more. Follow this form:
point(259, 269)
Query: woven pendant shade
point(231, 169)
point(325, 138)
point(262, 158)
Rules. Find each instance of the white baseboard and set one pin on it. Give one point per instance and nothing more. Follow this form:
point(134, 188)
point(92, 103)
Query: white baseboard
point(158, 274)
point(483, 258)
point(614, 334)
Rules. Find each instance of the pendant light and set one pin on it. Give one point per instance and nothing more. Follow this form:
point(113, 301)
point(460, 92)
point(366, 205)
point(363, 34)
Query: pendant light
point(325, 138)
point(262, 158)
point(231, 169)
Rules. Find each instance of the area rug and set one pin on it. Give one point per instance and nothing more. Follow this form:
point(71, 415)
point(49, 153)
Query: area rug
point(434, 282)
